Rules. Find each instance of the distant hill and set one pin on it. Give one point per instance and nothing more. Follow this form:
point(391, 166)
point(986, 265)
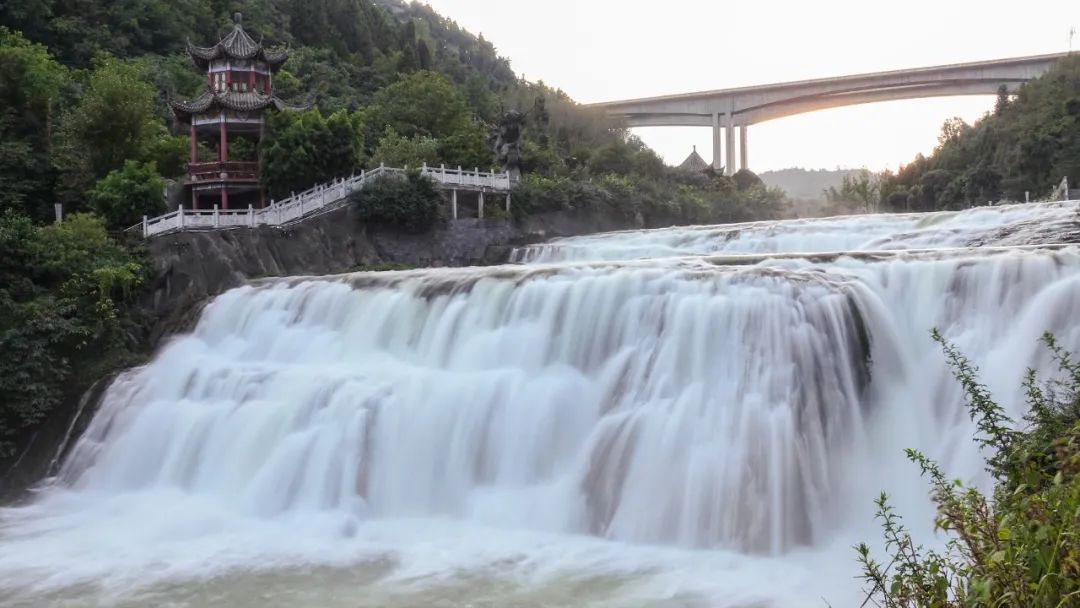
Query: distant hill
point(805, 183)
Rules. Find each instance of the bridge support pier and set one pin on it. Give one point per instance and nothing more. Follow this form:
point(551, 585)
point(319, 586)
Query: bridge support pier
point(717, 162)
point(453, 203)
point(480, 206)
point(729, 152)
point(743, 162)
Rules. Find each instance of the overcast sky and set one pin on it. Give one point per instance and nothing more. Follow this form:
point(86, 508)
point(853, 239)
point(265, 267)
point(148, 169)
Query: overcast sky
point(600, 50)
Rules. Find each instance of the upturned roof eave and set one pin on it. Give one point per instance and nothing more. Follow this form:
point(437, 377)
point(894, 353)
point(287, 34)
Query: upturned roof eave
point(248, 101)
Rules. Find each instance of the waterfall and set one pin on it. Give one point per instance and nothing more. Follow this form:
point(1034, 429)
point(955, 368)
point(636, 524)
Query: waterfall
point(685, 392)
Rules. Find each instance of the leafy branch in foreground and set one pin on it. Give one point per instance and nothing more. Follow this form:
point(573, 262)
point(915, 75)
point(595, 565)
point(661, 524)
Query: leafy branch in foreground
point(1016, 548)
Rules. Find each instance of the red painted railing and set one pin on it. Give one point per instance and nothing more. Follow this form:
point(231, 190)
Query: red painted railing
point(217, 171)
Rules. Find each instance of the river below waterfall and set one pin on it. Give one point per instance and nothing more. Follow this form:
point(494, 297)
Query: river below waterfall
point(684, 417)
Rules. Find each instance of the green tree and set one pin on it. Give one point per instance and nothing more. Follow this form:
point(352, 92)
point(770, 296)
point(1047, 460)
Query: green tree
point(422, 103)
point(125, 195)
point(303, 149)
point(952, 130)
point(467, 147)
point(397, 151)
point(115, 120)
point(862, 190)
point(1029, 142)
point(62, 290)
point(407, 202)
point(30, 84)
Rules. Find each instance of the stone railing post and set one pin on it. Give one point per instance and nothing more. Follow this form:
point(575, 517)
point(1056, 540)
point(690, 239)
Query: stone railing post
point(251, 215)
point(217, 221)
point(145, 228)
point(180, 215)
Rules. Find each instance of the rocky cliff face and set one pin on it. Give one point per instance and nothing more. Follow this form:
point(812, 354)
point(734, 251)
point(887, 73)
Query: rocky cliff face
point(192, 267)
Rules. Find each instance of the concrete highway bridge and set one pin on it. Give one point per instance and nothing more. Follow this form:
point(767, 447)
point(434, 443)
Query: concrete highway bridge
point(727, 109)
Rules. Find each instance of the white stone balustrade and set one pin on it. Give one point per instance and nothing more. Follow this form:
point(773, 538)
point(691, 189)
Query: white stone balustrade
point(320, 198)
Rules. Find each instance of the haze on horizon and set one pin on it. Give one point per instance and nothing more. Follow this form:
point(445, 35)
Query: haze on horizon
point(601, 50)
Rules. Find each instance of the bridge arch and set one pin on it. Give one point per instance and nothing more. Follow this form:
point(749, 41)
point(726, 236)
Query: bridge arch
point(727, 109)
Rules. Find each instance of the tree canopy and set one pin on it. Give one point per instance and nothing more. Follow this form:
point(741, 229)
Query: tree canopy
point(1024, 147)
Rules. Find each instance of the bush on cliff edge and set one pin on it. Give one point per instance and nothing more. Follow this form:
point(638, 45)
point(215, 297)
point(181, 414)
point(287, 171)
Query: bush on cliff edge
point(408, 202)
point(1019, 547)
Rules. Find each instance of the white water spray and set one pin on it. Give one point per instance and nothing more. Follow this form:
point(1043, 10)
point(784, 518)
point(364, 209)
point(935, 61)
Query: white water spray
point(667, 429)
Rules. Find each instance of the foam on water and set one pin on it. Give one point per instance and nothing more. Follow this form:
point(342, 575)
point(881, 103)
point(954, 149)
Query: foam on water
point(666, 432)
point(978, 226)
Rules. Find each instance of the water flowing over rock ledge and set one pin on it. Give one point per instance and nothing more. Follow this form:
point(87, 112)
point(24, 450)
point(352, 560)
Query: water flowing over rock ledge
point(725, 401)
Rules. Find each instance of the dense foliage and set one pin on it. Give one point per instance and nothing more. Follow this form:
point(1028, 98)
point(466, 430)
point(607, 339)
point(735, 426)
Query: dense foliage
point(394, 83)
point(409, 202)
point(63, 292)
point(1026, 145)
point(303, 149)
point(1018, 548)
point(677, 198)
point(128, 194)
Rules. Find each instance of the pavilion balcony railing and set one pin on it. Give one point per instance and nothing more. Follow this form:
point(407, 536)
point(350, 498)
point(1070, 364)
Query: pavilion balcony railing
point(315, 200)
point(217, 171)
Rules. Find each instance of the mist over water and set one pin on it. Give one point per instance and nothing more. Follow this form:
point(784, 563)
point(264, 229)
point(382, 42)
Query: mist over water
point(660, 418)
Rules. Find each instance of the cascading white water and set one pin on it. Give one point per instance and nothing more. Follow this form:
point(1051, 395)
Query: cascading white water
point(1004, 225)
point(627, 433)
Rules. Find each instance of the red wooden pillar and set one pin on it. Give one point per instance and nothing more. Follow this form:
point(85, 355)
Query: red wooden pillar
point(194, 143)
point(251, 81)
point(223, 143)
point(224, 157)
point(258, 162)
point(194, 198)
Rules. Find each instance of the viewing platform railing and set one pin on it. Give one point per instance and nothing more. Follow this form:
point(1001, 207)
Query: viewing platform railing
point(219, 171)
point(320, 198)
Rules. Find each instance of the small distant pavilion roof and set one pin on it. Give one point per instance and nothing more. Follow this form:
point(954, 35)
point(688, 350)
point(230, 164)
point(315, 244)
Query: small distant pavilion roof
point(245, 101)
point(694, 162)
point(237, 44)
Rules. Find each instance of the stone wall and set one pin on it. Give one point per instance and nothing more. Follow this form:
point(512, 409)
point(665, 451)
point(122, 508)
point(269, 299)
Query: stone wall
point(192, 267)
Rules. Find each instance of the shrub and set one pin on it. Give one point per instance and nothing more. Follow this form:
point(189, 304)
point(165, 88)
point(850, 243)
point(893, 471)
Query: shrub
point(1018, 548)
point(408, 202)
point(62, 293)
point(397, 151)
point(125, 195)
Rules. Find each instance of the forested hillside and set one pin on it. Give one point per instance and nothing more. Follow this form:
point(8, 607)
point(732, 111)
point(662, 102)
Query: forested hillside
point(1027, 144)
point(85, 84)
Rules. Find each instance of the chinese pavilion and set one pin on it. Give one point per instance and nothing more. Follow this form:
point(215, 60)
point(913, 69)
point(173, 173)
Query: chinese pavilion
point(240, 88)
